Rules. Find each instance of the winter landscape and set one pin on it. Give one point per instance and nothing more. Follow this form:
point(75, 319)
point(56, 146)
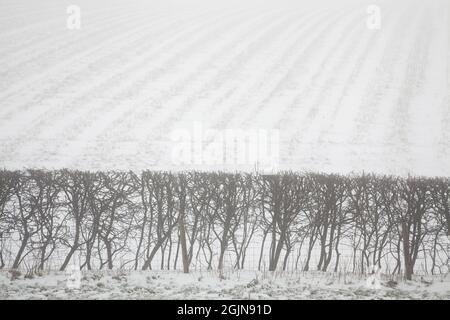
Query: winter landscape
point(217, 149)
point(239, 285)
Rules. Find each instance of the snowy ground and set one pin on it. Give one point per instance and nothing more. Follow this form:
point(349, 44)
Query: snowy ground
point(344, 97)
point(208, 285)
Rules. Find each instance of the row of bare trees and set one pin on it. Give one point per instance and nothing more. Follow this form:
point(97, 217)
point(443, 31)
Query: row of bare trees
point(133, 220)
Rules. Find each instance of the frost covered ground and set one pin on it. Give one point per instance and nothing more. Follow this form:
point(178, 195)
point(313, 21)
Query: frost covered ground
point(344, 97)
point(208, 285)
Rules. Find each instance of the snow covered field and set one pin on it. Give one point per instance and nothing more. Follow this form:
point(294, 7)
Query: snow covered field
point(208, 285)
point(344, 97)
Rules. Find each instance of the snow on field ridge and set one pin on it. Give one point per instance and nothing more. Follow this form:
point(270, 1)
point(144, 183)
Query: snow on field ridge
point(344, 97)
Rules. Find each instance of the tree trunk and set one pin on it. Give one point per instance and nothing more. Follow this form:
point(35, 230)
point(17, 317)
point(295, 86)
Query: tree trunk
point(288, 251)
point(20, 252)
point(109, 254)
point(184, 253)
point(274, 261)
point(406, 253)
point(71, 252)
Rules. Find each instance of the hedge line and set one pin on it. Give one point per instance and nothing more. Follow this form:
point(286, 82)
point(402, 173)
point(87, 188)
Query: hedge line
point(126, 219)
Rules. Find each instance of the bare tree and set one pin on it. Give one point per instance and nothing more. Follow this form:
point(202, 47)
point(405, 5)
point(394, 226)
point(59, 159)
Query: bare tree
point(47, 216)
point(229, 201)
point(370, 219)
point(163, 212)
point(329, 196)
point(74, 186)
point(410, 208)
point(441, 202)
point(283, 198)
point(7, 182)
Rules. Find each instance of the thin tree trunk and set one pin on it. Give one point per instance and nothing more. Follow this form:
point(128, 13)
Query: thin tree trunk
point(184, 253)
